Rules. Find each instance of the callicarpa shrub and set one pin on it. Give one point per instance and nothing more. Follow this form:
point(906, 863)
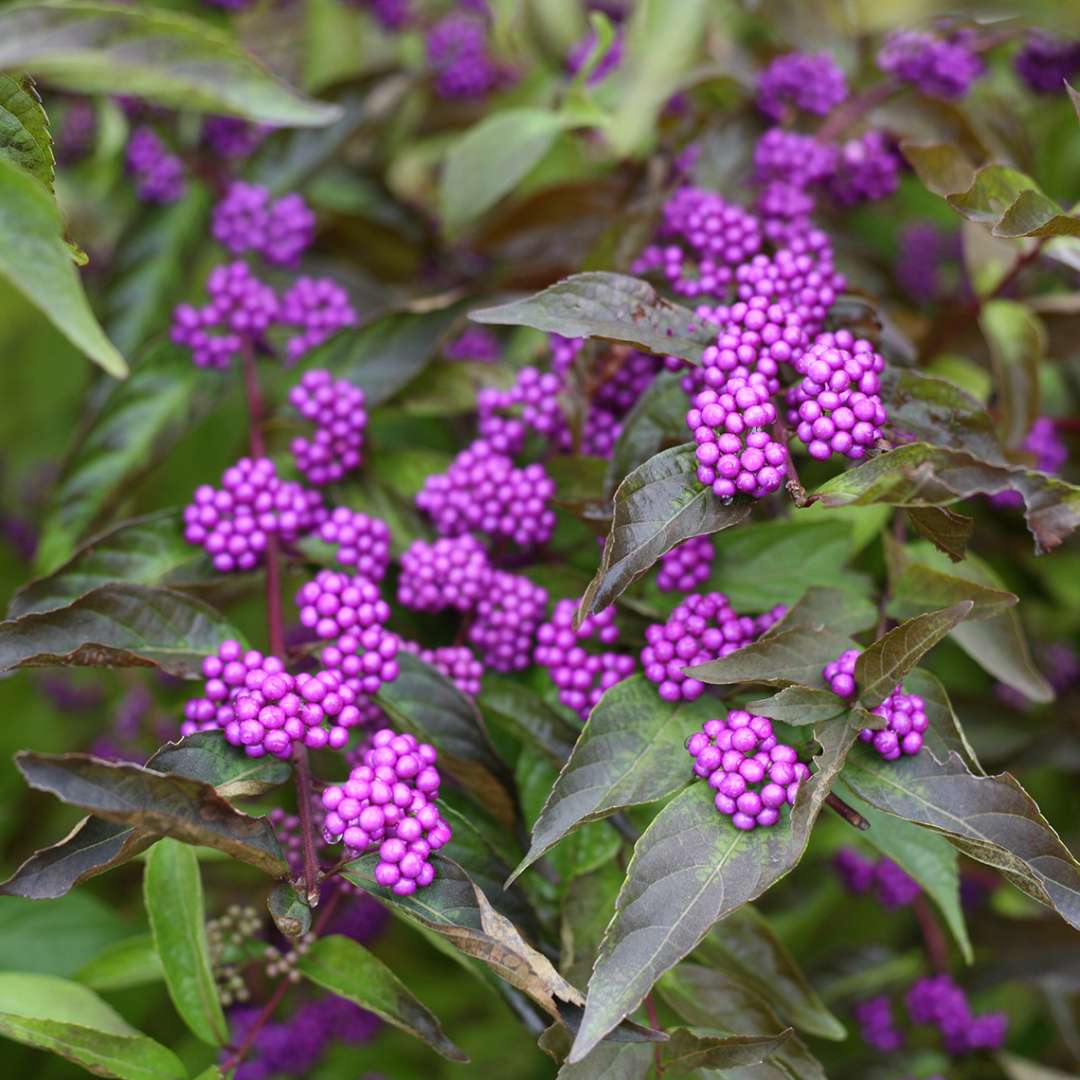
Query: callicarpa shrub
point(565, 565)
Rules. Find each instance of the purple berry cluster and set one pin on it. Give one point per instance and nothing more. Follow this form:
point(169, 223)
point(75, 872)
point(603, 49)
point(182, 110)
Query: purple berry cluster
point(234, 523)
point(158, 174)
point(449, 573)
point(484, 491)
point(332, 604)
point(752, 773)
point(1050, 453)
point(867, 169)
point(625, 375)
point(840, 673)
point(810, 82)
point(388, 804)
point(905, 726)
point(877, 1025)
point(363, 542)
point(506, 417)
point(238, 314)
point(564, 352)
point(365, 657)
point(703, 627)
point(939, 1002)
point(782, 156)
point(686, 566)
point(581, 675)
point(892, 886)
point(456, 662)
point(1046, 63)
point(233, 138)
point(318, 308)
point(336, 408)
point(505, 621)
point(476, 344)
point(457, 51)
point(939, 67)
point(247, 219)
point(76, 131)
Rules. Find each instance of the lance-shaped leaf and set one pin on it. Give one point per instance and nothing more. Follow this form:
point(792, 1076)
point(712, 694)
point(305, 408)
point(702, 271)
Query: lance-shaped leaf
point(822, 608)
point(69, 1020)
point(610, 1060)
point(289, 910)
point(35, 260)
point(657, 419)
point(340, 965)
point(207, 757)
point(660, 504)
point(528, 716)
point(118, 625)
point(924, 855)
point(690, 868)
point(626, 755)
point(744, 947)
point(615, 307)
point(800, 705)
point(132, 961)
point(684, 1053)
point(922, 475)
point(424, 702)
point(172, 892)
point(947, 530)
point(455, 908)
point(1017, 340)
point(154, 802)
point(883, 665)
point(918, 587)
point(711, 999)
point(786, 657)
point(140, 421)
point(990, 818)
point(164, 56)
point(25, 138)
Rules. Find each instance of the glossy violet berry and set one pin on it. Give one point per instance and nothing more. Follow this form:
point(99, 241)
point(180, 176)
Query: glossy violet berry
point(752, 773)
point(808, 81)
point(476, 344)
point(336, 408)
point(158, 174)
point(318, 308)
point(686, 566)
point(505, 621)
point(867, 169)
point(905, 726)
point(332, 604)
point(877, 1025)
point(939, 67)
point(840, 673)
point(362, 542)
point(449, 573)
point(1046, 63)
point(366, 657)
point(506, 417)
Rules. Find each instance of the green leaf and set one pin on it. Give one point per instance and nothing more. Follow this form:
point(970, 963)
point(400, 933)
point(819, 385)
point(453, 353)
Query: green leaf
point(152, 265)
point(166, 57)
point(72, 1021)
point(800, 705)
point(822, 608)
point(660, 504)
point(154, 802)
point(991, 819)
point(385, 355)
point(922, 475)
point(140, 422)
point(455, 908)
point(490, 159)
point(289, 910)
point(1011, 204)
point(208, 758)
point(35, 260)
point(118, 626)
point(947, 530)
point(131, 962)
point(657, 419)
point(685, 1052)
point(711, 999)
point(881, 667)
point(918, 587)
point(1017, 340)
point(925, 856)
point(611, 1061)
point(527, 716)
point(628, 753)
point(424, 702)
point(339, 964)
point(690, 869)
point(610, 306)
point(744, 947)
point(173, 894)
point(942, 167)
point(25, 138)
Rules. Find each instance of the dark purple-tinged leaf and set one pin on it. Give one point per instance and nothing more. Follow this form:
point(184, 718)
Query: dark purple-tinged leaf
point(944, 735)
point(614, 307)
point(711, 999)
point(660, 504)
point(530, 718)
point(799, 706)
point(924, 855)
point(657, 420)
point(947, 530)
point(685, 1052)
point(289, 910)
point(918, 588)
point(91, 848)
point(586, 907)
point(208, 758)
point(422, 701)
point(72, 1021)
point(340, 965)
point(1017, 340)
point(173, 895)
point(156, 803)
point(385, 355)
point(690, 869)
point(744, 947)
point(140, 422)
point(922, 475)
point(865, 316)
point(579, 480)
point(611, 1061)
point(629, 752)
point(822, 608)
point(118, 626)
point(883, 665)
point(942, 167)
point(991, 819)
point(455, 908)
point(25, 138)
point(786, 657)
point(164, 56)
point(938, 412)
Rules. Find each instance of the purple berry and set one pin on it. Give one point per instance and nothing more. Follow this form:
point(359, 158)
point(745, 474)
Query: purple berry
point(336, 408)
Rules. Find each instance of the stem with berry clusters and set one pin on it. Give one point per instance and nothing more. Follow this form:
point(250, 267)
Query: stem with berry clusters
point(276, 632)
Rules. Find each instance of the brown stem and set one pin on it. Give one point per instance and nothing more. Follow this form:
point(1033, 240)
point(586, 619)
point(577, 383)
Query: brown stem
point(654, 1022)
point(937, 949)
point(794, 485)
point(848, 813)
